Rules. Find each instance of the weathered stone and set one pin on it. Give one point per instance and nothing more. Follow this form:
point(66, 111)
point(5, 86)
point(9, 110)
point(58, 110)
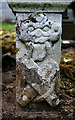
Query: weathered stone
point(38, 35)
point(24, 92)
point(39, 6)
point(42, 78)
point(39, 52)
point(39, 67)
point(39, 43)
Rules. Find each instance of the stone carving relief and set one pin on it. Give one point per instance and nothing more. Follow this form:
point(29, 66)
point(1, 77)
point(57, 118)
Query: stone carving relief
point(38, 35)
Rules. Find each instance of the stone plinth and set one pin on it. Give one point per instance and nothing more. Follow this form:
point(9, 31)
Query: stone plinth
point(39, 5)
point(38, 38)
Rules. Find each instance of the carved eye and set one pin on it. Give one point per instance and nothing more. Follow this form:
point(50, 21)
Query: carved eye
point(46, 29)
point(30, 29)
point(56, 30)
point(49, 23)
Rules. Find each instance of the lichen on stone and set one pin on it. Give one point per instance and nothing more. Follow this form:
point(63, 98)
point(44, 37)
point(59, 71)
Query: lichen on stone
point(40, 38)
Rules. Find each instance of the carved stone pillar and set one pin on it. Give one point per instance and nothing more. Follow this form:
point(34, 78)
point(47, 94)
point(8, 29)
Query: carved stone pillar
point(38, 38)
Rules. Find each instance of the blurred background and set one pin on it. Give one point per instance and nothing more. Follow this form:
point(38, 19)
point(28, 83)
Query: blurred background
point(7, 15)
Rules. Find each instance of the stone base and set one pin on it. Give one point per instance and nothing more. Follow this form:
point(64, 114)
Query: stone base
point(28, 99)
point(30, 106)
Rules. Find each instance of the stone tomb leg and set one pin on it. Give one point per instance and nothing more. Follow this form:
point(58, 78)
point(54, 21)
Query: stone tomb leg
point(38, 38)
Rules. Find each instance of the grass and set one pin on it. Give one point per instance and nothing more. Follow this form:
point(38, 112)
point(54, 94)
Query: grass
point(7, 26)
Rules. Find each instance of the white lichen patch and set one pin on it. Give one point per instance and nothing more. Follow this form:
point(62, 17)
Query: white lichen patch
point(25, 89)
point(57, 101)
point(33, 84)
point(24, 98)
point(28, 87)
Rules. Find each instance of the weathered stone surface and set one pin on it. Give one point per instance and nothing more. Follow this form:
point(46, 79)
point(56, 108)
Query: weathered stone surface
point(42, 78)
point(45, 33)
point(39, 6)
point(39, 52)
point(24, 92)
point(39, 43)
point(38, 38)
point(41, 70)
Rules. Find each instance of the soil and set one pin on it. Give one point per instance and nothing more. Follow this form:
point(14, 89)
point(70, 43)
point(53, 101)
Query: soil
point(9, 111)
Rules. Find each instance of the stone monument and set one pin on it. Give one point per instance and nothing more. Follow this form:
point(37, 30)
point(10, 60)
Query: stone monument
point(38, 39)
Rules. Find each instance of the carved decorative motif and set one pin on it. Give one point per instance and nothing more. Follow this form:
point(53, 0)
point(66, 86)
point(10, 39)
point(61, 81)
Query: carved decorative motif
point(38, 39)
point(39, 35)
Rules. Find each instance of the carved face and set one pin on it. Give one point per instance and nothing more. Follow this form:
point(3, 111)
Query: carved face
point(38, 33)
point(39, 29)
